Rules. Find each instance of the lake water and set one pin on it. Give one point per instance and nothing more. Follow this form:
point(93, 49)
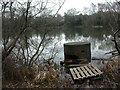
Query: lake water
point(100, 39)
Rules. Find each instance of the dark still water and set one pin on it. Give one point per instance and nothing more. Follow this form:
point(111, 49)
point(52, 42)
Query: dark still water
point(100, 39)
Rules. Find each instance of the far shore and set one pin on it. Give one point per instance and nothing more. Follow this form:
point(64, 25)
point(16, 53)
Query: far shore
point(90, 26)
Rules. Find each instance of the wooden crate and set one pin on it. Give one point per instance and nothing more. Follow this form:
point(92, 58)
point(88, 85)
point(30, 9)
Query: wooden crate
point(77, 51)
point(85, 71)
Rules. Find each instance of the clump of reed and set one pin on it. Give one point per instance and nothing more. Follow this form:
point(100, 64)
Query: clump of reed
point(14, 72)
point(111, 76)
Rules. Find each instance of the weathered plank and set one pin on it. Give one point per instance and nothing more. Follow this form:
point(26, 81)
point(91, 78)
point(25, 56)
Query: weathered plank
point(82, 74)
point(93, 70)
point(73, 74)
point(84, 71)
point(92, 74)
point(77, 73)
point(96, 69)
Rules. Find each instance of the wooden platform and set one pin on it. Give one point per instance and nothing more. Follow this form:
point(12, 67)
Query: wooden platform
point(85, 71)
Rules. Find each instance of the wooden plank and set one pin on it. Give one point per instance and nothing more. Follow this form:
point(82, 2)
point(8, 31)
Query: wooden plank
point(87, 74)
point(74, 65)
point(85, 71)
point(80, 71)
point(93, 70)
point(77, 73)
point(96, 69)
point(92, 74)
point(73, 74)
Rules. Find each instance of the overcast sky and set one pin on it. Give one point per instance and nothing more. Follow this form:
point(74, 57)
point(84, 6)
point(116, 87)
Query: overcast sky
point(78, 4)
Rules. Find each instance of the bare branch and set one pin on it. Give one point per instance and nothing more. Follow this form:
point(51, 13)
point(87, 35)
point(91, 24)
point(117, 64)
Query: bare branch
point(38, 48)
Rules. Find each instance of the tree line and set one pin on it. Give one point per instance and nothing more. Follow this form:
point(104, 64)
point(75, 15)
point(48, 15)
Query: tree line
point(95, 15)
point(100, 15)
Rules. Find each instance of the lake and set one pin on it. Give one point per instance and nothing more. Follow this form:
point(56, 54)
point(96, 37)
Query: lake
point(100, 39)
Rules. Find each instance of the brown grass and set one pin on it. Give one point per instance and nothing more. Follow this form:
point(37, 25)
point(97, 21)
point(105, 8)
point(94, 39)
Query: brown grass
point(53, 77)
point(112, 74)
point(12, 71)
point(22, 77)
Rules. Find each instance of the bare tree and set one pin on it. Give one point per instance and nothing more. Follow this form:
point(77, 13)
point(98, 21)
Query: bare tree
point(20, 52)
point(20, 20)
point(114, 9)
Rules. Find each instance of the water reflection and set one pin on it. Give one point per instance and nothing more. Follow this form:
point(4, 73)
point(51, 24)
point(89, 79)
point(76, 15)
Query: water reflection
point(99, 63)
point(100, 40)
point(98, 47)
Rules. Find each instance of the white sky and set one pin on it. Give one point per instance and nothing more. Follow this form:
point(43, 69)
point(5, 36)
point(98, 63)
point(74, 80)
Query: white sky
point(78, 4)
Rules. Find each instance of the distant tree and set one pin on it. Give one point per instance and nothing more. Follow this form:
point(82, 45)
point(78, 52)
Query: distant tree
point(86, 10)
point(72, 17)
point(72, 12)
point(92, 9)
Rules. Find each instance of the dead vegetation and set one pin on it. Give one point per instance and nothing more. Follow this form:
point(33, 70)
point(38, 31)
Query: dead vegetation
point(19, 76)
point(54, 77)
point(13, 71)
point(112, 74)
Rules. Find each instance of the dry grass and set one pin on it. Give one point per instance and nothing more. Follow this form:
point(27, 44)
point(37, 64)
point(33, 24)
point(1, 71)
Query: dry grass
point(112, 74)
point(24, 78)
point(53, 77)
point(12, 71)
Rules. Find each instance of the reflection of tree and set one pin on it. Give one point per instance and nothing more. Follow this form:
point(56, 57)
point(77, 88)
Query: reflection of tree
point(86, 32)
